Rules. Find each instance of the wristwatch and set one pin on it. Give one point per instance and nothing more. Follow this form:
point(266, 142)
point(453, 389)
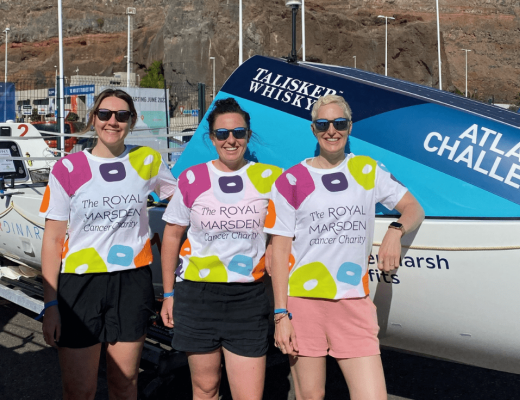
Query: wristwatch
point(398, 226)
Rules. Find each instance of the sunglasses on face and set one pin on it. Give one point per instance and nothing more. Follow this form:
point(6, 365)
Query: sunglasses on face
point(223, 134)
point(121, 115)
point(340, 124)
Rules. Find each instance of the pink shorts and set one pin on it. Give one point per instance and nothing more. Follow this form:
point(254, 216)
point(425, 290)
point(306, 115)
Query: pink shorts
point(344, 328)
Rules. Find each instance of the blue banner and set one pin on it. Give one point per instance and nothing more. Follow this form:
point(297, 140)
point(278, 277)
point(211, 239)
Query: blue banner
point(74, 90)
point(7, 102)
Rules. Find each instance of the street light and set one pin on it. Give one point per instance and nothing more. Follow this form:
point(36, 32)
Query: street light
point(439, 45)
point(354, 61)
point(6, 31)
point(386, 41)
point(303, 30)
point(466, 70)
point(293, 4)
point(240, 55)
point(213, 58)
point(130, 11)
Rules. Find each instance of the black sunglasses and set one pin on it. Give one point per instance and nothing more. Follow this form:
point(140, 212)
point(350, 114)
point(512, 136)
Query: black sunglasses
point(223, 134)
point(121, 115)
point(340, 124)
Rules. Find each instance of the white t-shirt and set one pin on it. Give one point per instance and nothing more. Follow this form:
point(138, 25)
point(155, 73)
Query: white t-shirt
point(331, 215)
point(104, 200)
point(226, 213)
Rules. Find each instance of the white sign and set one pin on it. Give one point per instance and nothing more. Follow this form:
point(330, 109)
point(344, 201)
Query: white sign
point(152, 117)
point(26, 110)
point(43, 110)
point(6, 165)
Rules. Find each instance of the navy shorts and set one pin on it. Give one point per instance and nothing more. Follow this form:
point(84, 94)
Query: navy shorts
point(104, 307)
point(208, 316)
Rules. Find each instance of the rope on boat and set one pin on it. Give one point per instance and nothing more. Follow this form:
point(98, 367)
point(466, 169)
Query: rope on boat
point(12, 206)
point(6, 211)
point(479, 248)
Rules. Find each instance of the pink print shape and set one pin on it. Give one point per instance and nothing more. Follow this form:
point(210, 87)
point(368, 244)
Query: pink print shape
point(295, 185)
point(72, 172)
point(193, 182)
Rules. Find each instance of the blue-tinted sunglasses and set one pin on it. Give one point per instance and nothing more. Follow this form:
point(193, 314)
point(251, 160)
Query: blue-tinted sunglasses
point(340, 124)
point(223, 134)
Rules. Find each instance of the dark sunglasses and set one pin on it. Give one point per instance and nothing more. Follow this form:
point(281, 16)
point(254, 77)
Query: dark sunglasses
point(340, 124)
point(223, 134)
point(121, 115)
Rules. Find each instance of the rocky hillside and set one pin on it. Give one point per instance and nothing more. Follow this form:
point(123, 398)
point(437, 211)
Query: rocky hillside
point(184, 34)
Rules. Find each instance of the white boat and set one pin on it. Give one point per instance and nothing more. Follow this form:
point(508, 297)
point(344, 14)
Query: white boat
point(454, 295)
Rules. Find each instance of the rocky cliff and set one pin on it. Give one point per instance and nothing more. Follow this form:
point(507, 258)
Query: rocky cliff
point(184, 34)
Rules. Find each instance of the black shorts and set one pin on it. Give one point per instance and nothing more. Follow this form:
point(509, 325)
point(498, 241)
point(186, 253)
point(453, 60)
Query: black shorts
point(104, 307)
point(212, 315)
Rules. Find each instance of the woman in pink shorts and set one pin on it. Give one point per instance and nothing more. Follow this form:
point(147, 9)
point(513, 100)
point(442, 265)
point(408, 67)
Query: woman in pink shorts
point(322, 216)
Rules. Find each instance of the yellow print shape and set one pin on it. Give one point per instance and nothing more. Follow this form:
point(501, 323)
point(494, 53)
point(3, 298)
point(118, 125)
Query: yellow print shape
point(312, 280)
point(86, 261)
point(206, 269)
point(145, 161)
point(262, 176)
point(363, 169)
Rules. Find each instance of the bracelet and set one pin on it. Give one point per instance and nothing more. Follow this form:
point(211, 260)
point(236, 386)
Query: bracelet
point(169, 294)
point(276, 321)
point(46, 305)
point(282, 311)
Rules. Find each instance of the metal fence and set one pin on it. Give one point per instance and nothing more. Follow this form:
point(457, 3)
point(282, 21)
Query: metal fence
point(36, 99)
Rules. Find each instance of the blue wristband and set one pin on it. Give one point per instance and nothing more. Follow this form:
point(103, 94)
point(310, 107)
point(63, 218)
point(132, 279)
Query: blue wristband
point(169, 294)
point(46, 305)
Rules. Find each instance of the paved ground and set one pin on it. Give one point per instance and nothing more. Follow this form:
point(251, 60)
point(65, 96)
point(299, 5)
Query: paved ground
point(29, 370)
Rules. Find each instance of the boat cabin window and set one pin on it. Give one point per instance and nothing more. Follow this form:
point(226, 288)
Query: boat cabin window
point(5, 131)
point(12, 168)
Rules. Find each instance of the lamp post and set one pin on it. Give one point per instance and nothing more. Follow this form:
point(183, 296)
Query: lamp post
point(240, 44)
point(354, 61)
point(439, 45)
point(466, 70)
point(129, 11)
point(386, 41)
point(213, 58)
point(293, 4)
point(303, 30)
point(6, 31)
point(56, 93)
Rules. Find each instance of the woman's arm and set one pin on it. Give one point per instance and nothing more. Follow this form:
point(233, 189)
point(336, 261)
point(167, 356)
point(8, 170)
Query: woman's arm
point(284, 336)
point(171, 244)
point(412, 214)
point(52, 247)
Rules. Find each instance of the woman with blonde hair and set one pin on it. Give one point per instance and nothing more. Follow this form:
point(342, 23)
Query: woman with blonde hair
point(322, 219)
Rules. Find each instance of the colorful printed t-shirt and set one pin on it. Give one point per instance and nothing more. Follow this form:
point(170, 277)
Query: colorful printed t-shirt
point(226, 213)
point(331, 215)
point(104, 200)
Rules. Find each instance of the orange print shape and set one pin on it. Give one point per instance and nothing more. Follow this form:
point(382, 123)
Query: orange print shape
point(145, 256)
point(291, 262)
point(365, 283)
point(65, 249)
point(186, 248)
point(46, 200)
point(259, 270)
point(270, 218)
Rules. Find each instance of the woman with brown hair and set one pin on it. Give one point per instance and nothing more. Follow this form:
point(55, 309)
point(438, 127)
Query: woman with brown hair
point(97, 283)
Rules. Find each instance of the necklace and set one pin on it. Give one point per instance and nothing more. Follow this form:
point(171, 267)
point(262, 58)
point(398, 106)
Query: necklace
point(321, 166)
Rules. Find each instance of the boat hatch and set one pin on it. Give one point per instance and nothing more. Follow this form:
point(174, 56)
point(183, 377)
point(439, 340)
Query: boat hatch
point(12, 170)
